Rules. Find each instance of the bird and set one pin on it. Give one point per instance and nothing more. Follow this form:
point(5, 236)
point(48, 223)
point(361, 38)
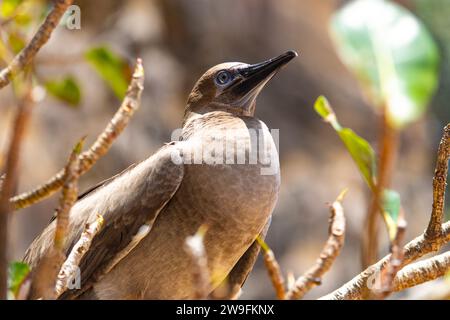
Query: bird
point(222, 171)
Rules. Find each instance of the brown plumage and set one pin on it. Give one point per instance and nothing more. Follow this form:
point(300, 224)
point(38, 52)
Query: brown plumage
point(165, 198)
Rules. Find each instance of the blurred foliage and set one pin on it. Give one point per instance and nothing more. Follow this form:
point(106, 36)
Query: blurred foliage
point(364, 156)
point(19, 17)
point(8, 7)
point(391, 53)
point(17, 273)
point(113, 69)
point(66, 90)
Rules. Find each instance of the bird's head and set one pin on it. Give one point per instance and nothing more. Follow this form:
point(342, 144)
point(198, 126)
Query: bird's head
point(233, 86)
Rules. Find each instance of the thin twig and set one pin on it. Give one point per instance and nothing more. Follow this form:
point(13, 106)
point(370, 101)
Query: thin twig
point(439, 184)
point(330, 251)
point(388, 150)
point(195, 248)
point(100, 147)
point(422, 271)
point(10, 182)
point(26, 55)
point(273, 269)
point(69, 269)
point(395, 260)
point(46, 272)
point(68, 198)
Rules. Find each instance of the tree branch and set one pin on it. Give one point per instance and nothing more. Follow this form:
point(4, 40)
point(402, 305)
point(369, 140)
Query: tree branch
point(46, 272)
point(358, 287)
point(100, 147)
point(330, 251)
point(422, 271)
point(273, 269)
point(69, 268)
point(26, 55)
point(395, 260)
point(10, 182)
point(439, 183)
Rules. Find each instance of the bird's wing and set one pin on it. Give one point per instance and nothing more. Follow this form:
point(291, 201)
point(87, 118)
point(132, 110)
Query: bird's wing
point(133, 199)
point(238, 275)
point(98, 185)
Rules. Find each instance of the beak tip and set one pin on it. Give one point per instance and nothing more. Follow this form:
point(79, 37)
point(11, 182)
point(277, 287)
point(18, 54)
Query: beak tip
point(292, 53)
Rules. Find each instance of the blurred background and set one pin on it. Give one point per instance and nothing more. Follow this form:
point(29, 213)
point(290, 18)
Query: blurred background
point(178, 40)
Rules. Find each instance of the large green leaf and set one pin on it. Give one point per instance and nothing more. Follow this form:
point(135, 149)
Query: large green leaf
point(112, 68)
point(18, 271)
point(391, 53)
point(66, 90)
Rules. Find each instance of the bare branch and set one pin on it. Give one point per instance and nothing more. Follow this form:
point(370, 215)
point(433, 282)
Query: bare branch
point(200, 274)
point(358, 287)
point(273, 268)
point(26, 55)
point(100, 147)
point(422, 271)
point(439, 184)
point(330, 251)
point(10, 181)
point(71, 265)
point(395, 260)
point(46, 272)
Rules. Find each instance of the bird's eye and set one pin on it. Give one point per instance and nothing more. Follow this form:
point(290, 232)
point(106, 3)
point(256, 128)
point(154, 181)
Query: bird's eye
point(223, 77)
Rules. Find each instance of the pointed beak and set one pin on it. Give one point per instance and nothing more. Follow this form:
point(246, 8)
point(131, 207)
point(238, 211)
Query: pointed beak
point(255, 76)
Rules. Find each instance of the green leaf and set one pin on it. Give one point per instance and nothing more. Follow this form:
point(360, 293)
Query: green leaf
point(66, 90)
point(392, 55)
point(8, 7)
point(391, 206)
point(323, 108)
point(362, 153)
point(78, 148)
point(18, 271)
point(113, 69)
point(360, 150)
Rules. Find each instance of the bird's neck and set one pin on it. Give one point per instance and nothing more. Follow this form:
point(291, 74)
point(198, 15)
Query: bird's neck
point(198, 122)
point(194, 112)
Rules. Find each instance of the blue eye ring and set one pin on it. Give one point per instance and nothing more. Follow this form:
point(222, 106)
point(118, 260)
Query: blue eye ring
point(223, 77)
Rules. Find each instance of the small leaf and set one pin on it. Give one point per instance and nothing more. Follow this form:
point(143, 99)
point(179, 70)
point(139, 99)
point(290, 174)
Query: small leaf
point(66, 90)
point(8, 7)
point(391, 206)
point(323, 108)
point(359, 149)
point(113, 69)
point(18, 271)
point(79, 146)
point(391, 53)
